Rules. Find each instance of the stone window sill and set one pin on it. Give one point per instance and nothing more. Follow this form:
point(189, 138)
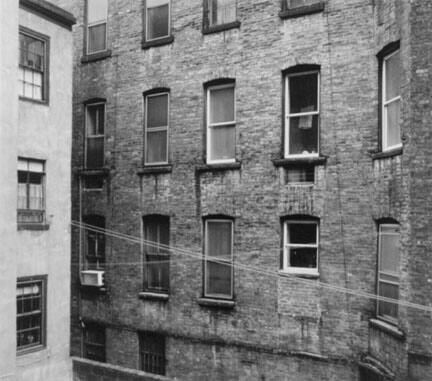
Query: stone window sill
point(218, 303)
point(154, 170)
point(218, 167)
point(302, 11)
point(386, 154)
point(221, 27)
point(158, 42)
point(95, 56)
point(387, 328)
point(298, 161)
point(42, 102)
point(153, 296)
point(33, 227)
point(299, 274)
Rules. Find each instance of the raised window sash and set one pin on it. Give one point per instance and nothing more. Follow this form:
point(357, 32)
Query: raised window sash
point(152, 352)
point(221, 133)
point(30, 314)
point(94, 342)
point(97, 14)
point(95, 135)
point(302, 114)
point(156, 128)
point(388, 270)
point(221, 11)
point(301, 247)
point(94, 243)
point(157, 19)
point(156, 267)
point(391, 72)
point(218, 267)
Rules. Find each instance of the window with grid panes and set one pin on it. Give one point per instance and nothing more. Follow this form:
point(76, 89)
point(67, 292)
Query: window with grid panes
point(97, 13)
point(95, 135)
point(152, 352)
point(94, 342)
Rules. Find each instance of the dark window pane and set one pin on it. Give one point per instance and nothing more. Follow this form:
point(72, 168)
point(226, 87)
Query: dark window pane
point(152, 352)
point(94, 342)
point(300, 3)
point(222, 105)
point(303, 257)
point(302, 233)
point(218, 279)
point(158, 22)
point(96, 38)
point(303, 135)
point(388, 309)
point(95, 152)
point(157, 111)
point(96, 10)
point(156, 147)
point(300, 175)
point(95, 120)
point(93, 182)
point(303, 93)
point(219, 239)
point(158, 272)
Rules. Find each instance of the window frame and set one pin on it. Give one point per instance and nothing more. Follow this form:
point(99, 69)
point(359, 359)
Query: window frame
point(166, 128)
point(210, 125)
point(146, 34)
point(390, 319)
point(207, 8)
point(87, 136)
point(385, 104)
point(86, 342)
point(286, 247)
point(33, 280)
point(143, 337)
point(218, 259)
point(42, 211)
point(289, 115)
point(93, 24)
point(100, 259)
point(45, 74)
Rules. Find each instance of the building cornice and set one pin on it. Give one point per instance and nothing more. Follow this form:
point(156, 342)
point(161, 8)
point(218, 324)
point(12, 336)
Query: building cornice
point(49, 11)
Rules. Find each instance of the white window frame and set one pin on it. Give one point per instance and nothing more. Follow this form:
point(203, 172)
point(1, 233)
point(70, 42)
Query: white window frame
point(286, 248)
point(87, 127)
point(387, 318)
point(385, 105)
point(210, 125)
point(210, 13)
point(96, 23)
point(288, 115)
point(156, 129)
point(218, 259)
point(147, 22)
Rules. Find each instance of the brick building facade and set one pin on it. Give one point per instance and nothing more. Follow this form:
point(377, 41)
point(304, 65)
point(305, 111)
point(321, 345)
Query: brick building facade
point(270, 148)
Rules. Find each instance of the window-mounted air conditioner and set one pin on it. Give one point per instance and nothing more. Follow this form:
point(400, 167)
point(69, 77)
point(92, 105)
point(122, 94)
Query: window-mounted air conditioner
point(93, 278)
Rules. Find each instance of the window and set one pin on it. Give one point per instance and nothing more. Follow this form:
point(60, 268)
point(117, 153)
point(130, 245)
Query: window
point(300, 246)
point(221, 133)
point(95, 135)
point(97, 13)
point(31, 198)
point(31, 307)
point(218, 258)
point(33, 65)
point(388, 270)
point(302, 114)
point(156, 128)
point(94, 242)
point(157, 19)
point(156, 266)
point(94, 342)
point(391, 72)
point(219, 12)
point(152, 352)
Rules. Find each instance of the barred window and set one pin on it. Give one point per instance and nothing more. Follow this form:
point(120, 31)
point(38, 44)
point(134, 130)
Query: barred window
point(152, 352)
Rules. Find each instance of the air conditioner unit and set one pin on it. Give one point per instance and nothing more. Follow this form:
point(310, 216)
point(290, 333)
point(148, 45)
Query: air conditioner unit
point(93, 278)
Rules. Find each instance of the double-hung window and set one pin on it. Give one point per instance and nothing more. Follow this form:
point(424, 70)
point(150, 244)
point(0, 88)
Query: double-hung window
point(157, 19)
point(97, 14)
point(31, 194)
point(94, 242)
point(221, 132)
point(32, 79)
point(388, 270)
point(302, 114)
point(391, 99)
point(156, 128)
point(156, 266)
point(220, 12)
point(218, 259)
point(94, 342)
point(95, 135)
point(152, 352)
point(300, 246)
point(31, 307)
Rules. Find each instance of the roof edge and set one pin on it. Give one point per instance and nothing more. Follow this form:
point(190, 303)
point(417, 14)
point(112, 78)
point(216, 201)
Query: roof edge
point(49, 11)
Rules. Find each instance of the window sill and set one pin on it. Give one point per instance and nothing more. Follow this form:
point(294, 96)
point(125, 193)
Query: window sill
point(219, 303)
point(34, 226)
point(385, 154)
point(154, 170)
point(218, 167)
point(302, 11)
point(299, 273)
point(36, 101)
point(221, 27)
point(387, 328)
point(25, 351)
point(296, 161)
point(93, 172)
point(153, 295)
point(95, 56)
point(159, 42)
